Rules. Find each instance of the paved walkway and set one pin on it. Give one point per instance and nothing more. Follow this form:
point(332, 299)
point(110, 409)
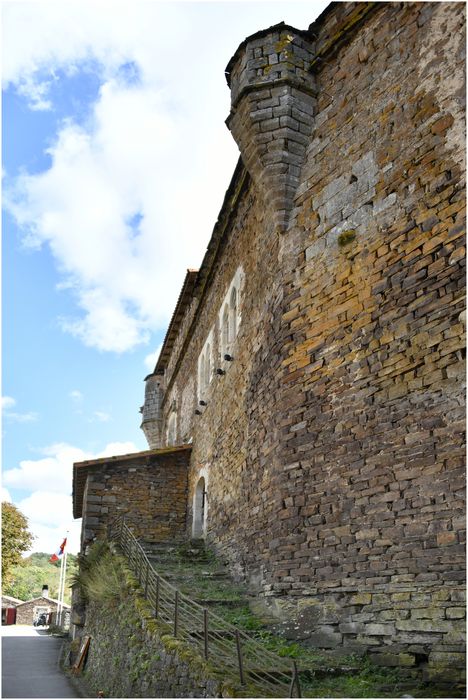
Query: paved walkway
point(30, 665)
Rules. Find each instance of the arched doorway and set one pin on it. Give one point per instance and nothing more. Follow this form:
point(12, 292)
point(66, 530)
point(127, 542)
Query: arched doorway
point(199, 509)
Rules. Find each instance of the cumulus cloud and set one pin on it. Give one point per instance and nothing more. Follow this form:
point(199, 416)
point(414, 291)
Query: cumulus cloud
point(151, 359)
point(47, 507)
point(6, 495)
point(8, 402)
point(54, 470)
point(49, 479)
point(101, 416)
point(48, 538)
point(76, 395)
point(120, 205)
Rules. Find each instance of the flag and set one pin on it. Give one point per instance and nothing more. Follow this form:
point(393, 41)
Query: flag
point(56, 556)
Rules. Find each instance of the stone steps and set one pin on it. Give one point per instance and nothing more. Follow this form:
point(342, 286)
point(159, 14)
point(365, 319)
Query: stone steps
point(191, 569)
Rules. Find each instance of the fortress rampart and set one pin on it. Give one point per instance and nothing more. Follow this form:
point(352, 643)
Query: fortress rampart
point(316, 361)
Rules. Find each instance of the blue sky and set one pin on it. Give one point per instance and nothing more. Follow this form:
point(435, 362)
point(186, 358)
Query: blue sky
point(115, 162)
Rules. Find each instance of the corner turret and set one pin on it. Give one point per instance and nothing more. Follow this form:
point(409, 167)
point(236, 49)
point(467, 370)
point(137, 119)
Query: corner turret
point(273, 97)
point(151, 411)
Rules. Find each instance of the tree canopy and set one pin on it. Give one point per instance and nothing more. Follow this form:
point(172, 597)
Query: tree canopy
point(28, 578)
point(16, 538)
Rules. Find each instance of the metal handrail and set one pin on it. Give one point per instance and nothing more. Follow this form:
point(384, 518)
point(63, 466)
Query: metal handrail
point(230, 650)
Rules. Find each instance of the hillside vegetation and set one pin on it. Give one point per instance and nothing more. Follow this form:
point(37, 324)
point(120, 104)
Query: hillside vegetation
point(32, 573)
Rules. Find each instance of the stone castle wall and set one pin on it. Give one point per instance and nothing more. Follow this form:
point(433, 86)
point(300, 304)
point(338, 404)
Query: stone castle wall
point(332, 446)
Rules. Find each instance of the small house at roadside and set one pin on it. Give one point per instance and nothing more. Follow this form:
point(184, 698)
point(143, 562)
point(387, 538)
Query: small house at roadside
point(9, 606)
point(28, 613)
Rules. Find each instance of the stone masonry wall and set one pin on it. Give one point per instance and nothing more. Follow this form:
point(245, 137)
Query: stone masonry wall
point(150, 492)
point(332, 448)
point(372, 405)
point(142, 660)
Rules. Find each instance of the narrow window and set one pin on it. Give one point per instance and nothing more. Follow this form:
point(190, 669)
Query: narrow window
point(225, 329)
point(201, 376)
point(199, 509)
point(172, 429)
point(207, 365)
point(233, 315)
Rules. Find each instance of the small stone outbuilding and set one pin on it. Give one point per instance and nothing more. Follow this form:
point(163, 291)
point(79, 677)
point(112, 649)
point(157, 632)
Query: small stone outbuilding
point(9, 606)
point(28, 612)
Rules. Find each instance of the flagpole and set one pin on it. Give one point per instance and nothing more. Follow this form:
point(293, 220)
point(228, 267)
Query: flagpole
point(59, 607)
point(62, 591)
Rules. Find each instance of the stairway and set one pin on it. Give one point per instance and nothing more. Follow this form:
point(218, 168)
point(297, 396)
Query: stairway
point(191, 568)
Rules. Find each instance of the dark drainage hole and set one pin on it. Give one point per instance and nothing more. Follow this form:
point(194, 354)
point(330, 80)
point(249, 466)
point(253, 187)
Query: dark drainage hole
point(421, 659)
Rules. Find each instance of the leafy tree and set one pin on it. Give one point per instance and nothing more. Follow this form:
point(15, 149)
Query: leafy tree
point(16, 538)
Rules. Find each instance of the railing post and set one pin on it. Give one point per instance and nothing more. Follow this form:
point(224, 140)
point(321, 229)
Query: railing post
point(122, 522)
point(147, 578)
point(295, 682)
point(176, 613)
point(239, 658)
point(205, 631)
point(156, 610)
point(140, 567)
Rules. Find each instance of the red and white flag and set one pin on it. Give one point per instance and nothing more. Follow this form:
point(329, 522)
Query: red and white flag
point(56, 556)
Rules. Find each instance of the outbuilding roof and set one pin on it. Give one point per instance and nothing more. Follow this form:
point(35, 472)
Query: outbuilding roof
point(9, 600)
point(43, 597)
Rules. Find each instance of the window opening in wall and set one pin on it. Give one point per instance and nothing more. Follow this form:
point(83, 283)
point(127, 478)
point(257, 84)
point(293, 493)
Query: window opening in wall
point(207, 366)
point(225, 330)
point(201, 374)
point(233, 315)
point(172, 429)
point(199, 509)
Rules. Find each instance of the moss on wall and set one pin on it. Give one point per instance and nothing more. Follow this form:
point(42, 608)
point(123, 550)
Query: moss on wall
point(131, 654)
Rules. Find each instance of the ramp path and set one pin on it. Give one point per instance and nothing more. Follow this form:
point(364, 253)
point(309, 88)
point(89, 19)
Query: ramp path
point(30, 665)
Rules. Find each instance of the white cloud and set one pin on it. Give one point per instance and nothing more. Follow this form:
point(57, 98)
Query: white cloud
point(131, 196)
point(76, 395)
point(49, 505)
point(151, 359)
point(8, 402)
point(12, 416)
point(30, 417)
point(6, 495)
point(48, 538)
point(117, 448)
point(54, 471)
point(125, 278)
point(101, 416)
